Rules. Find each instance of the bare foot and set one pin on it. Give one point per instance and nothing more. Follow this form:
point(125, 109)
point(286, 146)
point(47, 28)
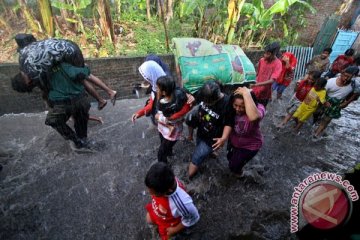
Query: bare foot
point(96, 119)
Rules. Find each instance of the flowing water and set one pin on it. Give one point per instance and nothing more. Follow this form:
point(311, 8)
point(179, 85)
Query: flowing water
point(47, 191)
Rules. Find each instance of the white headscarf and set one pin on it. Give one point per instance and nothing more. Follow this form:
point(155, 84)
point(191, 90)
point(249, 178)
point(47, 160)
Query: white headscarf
point(151, 71)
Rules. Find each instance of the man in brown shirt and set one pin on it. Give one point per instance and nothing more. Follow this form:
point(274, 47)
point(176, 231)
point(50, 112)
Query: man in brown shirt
point(320, 62)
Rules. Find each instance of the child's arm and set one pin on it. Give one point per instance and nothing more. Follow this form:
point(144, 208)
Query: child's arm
point(171, 231)
point(187, 220)
point(143, 111)
point(184, 110)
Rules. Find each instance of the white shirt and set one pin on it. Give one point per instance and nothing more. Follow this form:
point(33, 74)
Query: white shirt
point(335, 91)
point(182, 205)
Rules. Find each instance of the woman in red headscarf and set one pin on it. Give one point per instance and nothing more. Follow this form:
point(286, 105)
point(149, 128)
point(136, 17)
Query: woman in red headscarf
point(288, 61)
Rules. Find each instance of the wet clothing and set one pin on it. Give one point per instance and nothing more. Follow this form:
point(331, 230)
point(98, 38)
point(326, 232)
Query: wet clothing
point(310, 104)
point(246, 134)
point(66, 82)
point(318, 64)
point(68, 98)
point(210, 122)
point(334, 111)
point(335, 91)
point(287, 73)
point(169, 211)
point(37, 58)
point(303, 89)
point(239, 157)
point(266, 71)
point(279, 88)
point(245, 140)
point(170, 127)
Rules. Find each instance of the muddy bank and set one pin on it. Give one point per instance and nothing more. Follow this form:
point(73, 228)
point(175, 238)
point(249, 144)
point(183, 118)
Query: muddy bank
point(49, 192)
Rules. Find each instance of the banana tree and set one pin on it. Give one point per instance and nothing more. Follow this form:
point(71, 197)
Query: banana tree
point(234, 9)
point(47, 17)
point(32, 23)
point(105, 20)
point(261, 20)
point(76, 6)
point(198, 11)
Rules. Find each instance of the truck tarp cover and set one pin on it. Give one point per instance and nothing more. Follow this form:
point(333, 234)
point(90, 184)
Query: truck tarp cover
point(200, 60)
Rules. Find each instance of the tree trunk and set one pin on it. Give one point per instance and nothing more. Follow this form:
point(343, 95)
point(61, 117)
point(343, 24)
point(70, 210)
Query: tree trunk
point(31, 22)
point(47, 17)
point(105, 20)
point(78, 17)
point(169, 11)
point(148, 8)
point(159, 4)
point(118, 9)
point(65, 14)
point(165, 29)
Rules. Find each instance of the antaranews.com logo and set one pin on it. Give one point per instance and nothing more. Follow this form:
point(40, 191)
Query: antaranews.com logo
point(323, 200)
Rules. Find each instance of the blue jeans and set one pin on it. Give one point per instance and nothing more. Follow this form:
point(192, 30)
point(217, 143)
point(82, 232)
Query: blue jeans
point(202, 150)
point(278, 87)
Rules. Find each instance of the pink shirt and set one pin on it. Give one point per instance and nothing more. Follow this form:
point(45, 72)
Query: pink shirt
point(246, 134)
point(267, 71)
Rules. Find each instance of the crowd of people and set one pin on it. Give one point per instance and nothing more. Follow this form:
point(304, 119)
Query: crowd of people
point(57, 67)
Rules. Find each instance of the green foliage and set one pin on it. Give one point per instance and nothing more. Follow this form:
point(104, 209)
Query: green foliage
point(192, 18)
point(207, 17)
point(150, 38)
point(261, 20)
point(78, 8)
point(133, 10)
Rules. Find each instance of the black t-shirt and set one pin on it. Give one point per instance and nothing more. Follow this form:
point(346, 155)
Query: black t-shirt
point(212, 119)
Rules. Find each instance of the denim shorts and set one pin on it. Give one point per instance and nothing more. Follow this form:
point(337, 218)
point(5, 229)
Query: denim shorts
point(202, 150)
point(278, 87)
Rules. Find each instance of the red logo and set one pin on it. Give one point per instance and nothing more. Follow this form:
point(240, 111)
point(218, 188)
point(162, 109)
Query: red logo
point(325, 205)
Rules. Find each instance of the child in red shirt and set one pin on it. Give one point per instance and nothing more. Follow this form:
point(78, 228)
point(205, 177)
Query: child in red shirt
point(269, 70)
point(171, 208)
point(288, 61)
point(301, 89)
point(340, 63)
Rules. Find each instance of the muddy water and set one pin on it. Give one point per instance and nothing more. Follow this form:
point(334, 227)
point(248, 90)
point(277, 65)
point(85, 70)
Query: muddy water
point(49, 192)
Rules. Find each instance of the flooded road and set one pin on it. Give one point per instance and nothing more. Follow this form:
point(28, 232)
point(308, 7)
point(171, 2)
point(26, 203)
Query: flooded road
point(49, 192)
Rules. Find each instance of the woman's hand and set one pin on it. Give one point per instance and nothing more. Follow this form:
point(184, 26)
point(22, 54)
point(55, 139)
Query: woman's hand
point(134, 117)
point(242, 90)
point(190, 99)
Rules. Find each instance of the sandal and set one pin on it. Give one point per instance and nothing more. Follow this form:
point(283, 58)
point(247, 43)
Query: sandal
point(113, 99)
point(101, 105)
